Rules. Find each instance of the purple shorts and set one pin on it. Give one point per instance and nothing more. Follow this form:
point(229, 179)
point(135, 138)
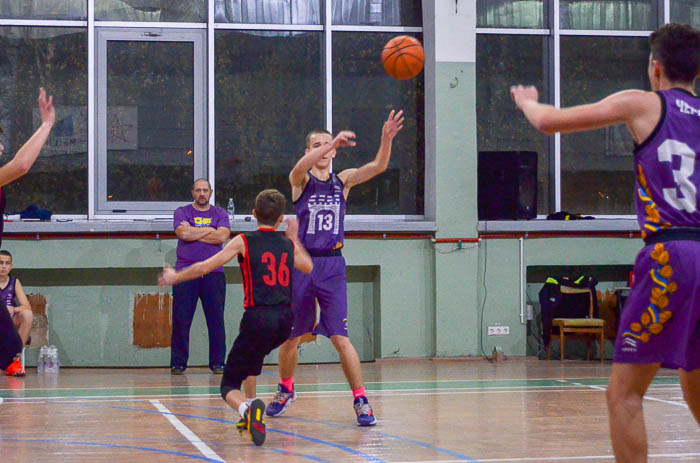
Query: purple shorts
point(660, 322)
point(326, 283)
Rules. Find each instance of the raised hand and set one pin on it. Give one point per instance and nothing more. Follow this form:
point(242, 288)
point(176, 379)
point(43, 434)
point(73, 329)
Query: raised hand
point(48, 115)
point(166, 278)
point(291, 228)
point(521, 93)
point(344, 139)
point(393, 125)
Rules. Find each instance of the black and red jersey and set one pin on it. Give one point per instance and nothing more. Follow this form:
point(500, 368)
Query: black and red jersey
point(267, 269)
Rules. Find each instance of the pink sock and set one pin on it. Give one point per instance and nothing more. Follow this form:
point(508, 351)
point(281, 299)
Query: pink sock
point(359, 392)
point(288, 383)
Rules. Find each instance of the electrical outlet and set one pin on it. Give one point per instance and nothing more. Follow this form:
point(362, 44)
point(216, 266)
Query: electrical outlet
point(498, 330)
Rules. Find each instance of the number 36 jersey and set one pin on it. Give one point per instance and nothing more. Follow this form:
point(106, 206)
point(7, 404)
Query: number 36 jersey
point(667, 165)
point(266, 269)
point(321, 212)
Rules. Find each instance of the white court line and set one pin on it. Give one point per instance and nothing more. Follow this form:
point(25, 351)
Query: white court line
point(646, 397)
point(560, 458)
point(392, 392)
point(185, 431)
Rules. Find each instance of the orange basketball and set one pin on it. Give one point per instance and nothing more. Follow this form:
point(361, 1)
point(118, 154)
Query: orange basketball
point(403, 57)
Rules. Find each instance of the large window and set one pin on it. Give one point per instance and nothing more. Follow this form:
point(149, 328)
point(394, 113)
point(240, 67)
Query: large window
point(151, 10)
point(157, 106)
point(43, 9)
point(502, 60)
point(363, 96)
point(54, 58)
point(597, 47)
point(269, 93)
point(597, 168)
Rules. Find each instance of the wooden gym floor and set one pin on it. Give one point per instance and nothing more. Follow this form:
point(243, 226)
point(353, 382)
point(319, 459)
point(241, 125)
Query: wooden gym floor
point(429, 411)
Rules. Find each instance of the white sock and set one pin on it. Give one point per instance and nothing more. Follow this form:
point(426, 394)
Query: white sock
point(249, 401)
point(243, 408)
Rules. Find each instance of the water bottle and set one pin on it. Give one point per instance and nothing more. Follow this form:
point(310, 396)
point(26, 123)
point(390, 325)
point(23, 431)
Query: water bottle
point(231, 209)
point(41, 365)
point(51, 359)
point(56, 363)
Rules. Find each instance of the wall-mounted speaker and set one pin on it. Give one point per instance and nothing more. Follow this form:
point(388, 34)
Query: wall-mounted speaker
point(507, 182)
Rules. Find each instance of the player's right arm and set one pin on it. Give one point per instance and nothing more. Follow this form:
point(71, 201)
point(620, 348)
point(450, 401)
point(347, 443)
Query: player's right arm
point(302, 260)
point(171, 277)
point(298, 177)
point(638, 109)
point(27, 154)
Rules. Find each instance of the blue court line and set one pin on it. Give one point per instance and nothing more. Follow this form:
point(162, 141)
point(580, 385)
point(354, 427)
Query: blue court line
point(309, 457)
point(264, 372)
point(99, 444)
point(219, 420)
point(326, 423)
point(152, 439)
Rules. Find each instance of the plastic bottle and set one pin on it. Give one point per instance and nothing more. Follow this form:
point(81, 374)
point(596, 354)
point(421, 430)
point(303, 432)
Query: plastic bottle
point(51, 360)
point(41, 364)
point(231, 210)
point(56, 363)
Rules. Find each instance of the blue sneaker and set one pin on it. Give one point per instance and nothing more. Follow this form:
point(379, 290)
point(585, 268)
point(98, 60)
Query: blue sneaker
point(282, 399)
point(365, 415)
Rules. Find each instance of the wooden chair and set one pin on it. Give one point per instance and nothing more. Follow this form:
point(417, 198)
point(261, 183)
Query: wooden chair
point(578, 326)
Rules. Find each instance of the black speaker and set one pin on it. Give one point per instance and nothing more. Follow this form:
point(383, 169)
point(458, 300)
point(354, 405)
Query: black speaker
point(507, 183)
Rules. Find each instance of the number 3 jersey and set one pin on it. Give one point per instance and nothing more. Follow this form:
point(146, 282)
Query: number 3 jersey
point(668, 167)
point(266, 269)
point(321, 211)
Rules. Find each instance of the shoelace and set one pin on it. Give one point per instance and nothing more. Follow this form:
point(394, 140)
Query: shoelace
point(282, 396)
point(363, 409)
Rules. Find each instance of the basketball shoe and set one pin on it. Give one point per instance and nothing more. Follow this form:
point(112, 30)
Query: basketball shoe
point(15, 369)
point(365, 415)
point(282, 399)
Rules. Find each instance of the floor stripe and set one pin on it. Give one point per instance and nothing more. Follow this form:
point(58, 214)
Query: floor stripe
point(399, 392)
point(646, 396)
point(559, 458)
point(185, 431)
point(99, 444)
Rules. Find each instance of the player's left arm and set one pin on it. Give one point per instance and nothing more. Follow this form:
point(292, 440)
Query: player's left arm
point(172, 277)
point(21, 297)
point(621, 107)
point(352, 177)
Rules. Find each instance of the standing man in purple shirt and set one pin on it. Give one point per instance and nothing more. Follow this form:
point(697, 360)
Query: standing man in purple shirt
point(660, 324)
point(201, 229)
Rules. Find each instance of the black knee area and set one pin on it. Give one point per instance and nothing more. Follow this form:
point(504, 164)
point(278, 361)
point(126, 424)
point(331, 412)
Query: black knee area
point(228, 385)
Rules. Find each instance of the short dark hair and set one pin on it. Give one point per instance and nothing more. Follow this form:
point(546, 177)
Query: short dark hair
point(269, 206)
point(201, 180)
point(677, 47)
point(315, 132)
point(5, 253)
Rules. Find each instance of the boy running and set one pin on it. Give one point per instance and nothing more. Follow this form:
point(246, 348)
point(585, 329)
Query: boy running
point(266, 260)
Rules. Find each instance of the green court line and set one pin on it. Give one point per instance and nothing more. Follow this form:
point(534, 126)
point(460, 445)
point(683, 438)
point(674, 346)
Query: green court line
point(322, 387)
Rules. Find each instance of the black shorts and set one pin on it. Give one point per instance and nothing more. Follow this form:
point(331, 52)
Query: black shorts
point(262, 330)
point(10, 342)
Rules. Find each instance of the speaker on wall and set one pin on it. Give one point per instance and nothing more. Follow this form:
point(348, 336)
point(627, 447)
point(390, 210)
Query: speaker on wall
point(507, 185)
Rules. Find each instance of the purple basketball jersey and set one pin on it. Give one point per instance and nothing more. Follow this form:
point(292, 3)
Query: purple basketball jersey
point(668, 166)
point(7, 295)
point(321, 212)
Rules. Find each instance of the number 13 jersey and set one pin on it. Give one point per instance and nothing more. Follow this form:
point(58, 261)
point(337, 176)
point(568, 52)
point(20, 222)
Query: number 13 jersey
point(266, 269)
point(667, 166)
point(321, 212)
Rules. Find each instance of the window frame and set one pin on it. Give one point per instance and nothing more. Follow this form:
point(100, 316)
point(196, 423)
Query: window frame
point(95, 169)
point(553, 69)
